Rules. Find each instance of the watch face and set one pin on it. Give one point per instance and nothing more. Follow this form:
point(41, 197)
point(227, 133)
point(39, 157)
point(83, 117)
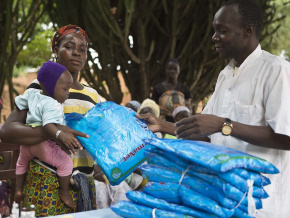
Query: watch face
point(227, 130)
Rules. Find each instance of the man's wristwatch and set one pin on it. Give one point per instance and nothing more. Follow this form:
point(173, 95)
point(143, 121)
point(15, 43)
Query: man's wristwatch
point(227, 127)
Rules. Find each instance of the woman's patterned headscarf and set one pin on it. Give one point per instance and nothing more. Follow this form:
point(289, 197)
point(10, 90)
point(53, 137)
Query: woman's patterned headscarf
point(65, 30)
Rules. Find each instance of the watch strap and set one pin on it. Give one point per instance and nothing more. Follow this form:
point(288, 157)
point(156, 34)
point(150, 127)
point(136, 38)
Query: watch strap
point(228, 120)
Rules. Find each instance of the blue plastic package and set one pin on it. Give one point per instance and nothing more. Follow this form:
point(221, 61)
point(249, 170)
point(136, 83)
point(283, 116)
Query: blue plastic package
point(243, 208)
point(163, 190)
point(156, 174)
point(237, 177)
point(228, 189)
point(258, 178)
point(130, 210)
point(241, 214)
point(169, 192)
point(215, 157)
point(198, 201)
point(149, 201)
point(72, 119)
point(115, 140)
point(223, 180)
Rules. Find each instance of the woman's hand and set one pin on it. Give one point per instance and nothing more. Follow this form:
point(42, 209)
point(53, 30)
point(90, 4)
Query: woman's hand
point(153, 123)
point(198, 126)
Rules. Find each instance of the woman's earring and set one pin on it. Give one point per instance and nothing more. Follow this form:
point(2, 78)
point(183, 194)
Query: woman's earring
point(56, 58)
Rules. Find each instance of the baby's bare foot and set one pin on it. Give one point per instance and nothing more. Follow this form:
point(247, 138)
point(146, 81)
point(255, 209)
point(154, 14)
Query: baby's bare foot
point(66, 197)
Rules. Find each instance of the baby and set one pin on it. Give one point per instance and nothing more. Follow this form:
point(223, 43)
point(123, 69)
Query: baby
point(180, 113)
point(45, 109)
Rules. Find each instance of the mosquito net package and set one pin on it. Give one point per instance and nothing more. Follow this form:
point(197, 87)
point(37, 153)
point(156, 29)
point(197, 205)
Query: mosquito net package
point(115, 140)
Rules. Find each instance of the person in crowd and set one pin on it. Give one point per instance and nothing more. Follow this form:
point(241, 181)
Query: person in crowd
point(69, 46)
point(108, 195)
point(170, 93)
point(134, 105)
point(149, 106)
point(249, 109)
point(180, 113)
point(45, 108)
point(5, 185)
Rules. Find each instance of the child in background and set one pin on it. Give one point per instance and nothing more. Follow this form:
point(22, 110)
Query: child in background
point(134, 105)
point(149, 106)
point(45, 108)
point(180, 113)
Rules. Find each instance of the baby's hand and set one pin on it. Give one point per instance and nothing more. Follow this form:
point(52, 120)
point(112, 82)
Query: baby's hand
point(70, 141)
point(72, 131)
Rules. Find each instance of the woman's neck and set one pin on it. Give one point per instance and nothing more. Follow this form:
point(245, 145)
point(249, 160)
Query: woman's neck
point(76, 85)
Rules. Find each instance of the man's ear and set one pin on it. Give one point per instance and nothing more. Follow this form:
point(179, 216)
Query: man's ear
point(250, 30)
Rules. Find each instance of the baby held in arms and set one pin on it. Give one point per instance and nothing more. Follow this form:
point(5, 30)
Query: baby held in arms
point(45, 109)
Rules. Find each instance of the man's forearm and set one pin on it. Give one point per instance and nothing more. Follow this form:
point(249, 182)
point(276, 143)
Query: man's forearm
point(262, 136)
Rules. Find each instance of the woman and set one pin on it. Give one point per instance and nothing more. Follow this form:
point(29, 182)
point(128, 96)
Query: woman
point(5, 185)
point(170, 93)
point(69, 46)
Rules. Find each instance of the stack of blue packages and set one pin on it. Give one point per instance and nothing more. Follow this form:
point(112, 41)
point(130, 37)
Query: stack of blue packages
point(199, 179)
point(115, 140)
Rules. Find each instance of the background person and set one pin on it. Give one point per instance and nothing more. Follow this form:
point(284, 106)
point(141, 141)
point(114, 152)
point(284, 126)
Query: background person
point(180, 113)
point(170, 93)
point(5, 185)
point(134, 105)
point(69, 46)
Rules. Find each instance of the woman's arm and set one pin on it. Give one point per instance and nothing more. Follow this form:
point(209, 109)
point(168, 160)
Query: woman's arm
point(15, 131)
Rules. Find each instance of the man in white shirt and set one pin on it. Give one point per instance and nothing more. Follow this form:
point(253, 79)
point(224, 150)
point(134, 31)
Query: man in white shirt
point(249, 109)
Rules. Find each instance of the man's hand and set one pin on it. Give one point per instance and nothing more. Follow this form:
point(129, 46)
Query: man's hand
point(198, 126)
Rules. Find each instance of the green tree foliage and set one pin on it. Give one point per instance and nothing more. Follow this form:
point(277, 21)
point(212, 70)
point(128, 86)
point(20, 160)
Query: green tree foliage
point(18, 19)
point(130, 36)
point(38, 49)
point(159, 30)
point(280, 42)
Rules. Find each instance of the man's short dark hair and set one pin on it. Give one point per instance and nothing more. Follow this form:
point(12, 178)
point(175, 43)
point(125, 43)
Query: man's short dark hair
point(250, 12)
